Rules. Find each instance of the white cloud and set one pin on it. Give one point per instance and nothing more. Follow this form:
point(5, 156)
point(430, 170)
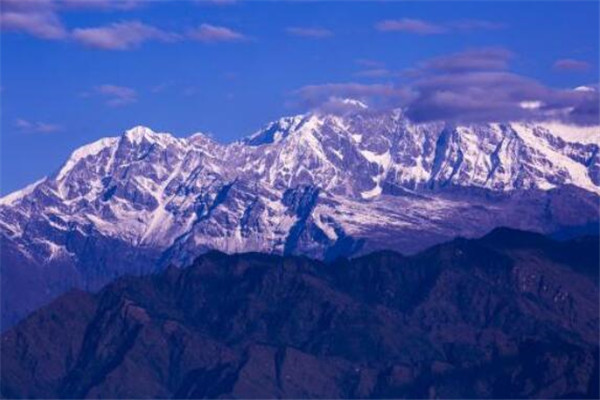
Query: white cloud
point(36, 126)
point(211, 34)
point(121, 36)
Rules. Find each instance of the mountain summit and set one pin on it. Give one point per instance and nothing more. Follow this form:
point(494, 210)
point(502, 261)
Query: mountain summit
point(316, 184)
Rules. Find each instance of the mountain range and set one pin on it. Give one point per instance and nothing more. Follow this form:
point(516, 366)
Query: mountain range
point(510, 315)
point(319, 185)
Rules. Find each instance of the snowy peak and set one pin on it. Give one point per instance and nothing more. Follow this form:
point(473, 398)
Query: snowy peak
point(275, 131)
point(360, 155)
point(201, 139)
point(98, 149)
point(139, 133)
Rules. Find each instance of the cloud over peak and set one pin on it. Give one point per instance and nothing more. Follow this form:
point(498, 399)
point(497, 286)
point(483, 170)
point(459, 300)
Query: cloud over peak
point(470, 86)
point(326, 97)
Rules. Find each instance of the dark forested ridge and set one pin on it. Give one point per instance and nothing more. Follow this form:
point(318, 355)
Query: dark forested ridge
point(513, 314)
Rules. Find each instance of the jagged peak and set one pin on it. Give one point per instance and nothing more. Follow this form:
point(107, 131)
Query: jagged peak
point(274, 131)
point(201, 139)
point(139, 133)
point(199, 135)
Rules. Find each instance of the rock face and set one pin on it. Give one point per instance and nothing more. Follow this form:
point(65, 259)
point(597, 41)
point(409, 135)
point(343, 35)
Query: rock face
point(511, 315)
point(317, 185)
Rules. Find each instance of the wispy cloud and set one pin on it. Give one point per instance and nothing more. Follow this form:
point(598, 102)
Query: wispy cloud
point(98, 4)
point(42, 19)
point(467, 25)
point(422, 27)
point(116, 95)
point(409, 25)
point(36, 18)
point(374, 69)
point(374, 73)
point(207, 33)
point(121, 36)
point(161, 87)
point(488, 58)
point(309, 32)
point(36, 126)
point(568, 64)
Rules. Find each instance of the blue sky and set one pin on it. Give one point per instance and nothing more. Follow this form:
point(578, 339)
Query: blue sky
point(77, 70)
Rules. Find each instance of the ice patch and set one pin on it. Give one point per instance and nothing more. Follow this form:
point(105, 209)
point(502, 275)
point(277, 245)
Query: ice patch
point(369, 194)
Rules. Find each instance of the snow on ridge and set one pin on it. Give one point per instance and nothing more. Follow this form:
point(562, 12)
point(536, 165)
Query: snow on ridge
point(134, 135)
point(578, 172)
point(139, 133)
point(383, 161)
point(88, 150)
point(574, 133)
point(305, 130)
point(11, 198)
point(200, 137)
point(274, 131)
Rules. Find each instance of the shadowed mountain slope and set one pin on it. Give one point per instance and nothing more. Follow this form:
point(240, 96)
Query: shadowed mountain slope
point(513, 314)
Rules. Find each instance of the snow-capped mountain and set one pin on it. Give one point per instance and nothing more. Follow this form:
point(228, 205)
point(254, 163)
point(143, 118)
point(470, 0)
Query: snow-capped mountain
point(320, 185)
